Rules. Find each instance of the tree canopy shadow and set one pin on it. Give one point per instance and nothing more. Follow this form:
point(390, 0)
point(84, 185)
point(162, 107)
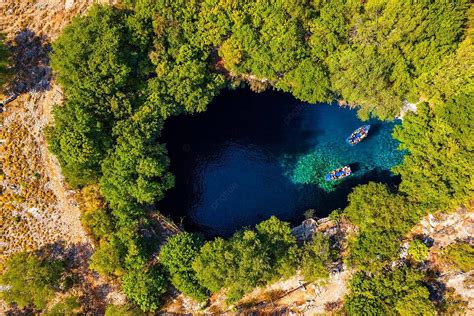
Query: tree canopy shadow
point(30, 63)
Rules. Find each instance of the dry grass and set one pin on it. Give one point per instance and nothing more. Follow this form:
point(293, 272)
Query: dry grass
point(35, 208)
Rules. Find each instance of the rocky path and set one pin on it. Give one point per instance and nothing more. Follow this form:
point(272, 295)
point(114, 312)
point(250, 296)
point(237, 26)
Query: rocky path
point(445, 229)
point(36, 207)
point(37, 210)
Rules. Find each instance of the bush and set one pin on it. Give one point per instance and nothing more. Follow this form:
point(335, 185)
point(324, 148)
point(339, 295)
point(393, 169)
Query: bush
point(177, 256)
point(32, 280)
point(248, 259)
point(438, 172)
point(417, 250)
point(145, 288)
point(107, 259)
point(123, 310)
point(69, 306)
point(399, 291)
point(97, 223)
point(460, 255)
point(316, 257)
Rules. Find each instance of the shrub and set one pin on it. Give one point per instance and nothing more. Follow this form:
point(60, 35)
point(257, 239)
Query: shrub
point(177, 256)
point(399, 291)
point(316, 257)
point(417, 250)
point(67, 307)
point(123, 310)
point(248, 259)
point(97, 223)
point(460, 255)
point(31, 280)
point(107, 259)
point(145, 287)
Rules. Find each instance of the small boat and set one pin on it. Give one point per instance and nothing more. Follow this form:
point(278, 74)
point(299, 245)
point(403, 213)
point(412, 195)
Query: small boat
point(339, 173)
point(358, 135)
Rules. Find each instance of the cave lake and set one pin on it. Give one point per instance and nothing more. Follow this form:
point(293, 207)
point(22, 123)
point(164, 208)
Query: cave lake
point(251, 156)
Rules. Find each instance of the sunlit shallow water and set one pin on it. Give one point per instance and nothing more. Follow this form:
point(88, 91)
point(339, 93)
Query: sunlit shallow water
point(250, 156)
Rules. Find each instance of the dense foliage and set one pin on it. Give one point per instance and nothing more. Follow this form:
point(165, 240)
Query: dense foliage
point(438, 172)
point(249, 259)
point(383, 217)
point(398, 292)
point(107, 133)
point(125, 71)
point(177, 256)
point(258, 257)
point(316, 257)
point(460, 255)
point(67, 306)
point(391, 44)
point(417, 250)
point(145, 287)
point(30, 279)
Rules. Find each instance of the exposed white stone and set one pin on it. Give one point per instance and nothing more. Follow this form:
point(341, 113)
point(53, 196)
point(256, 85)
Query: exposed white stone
point(69, 4)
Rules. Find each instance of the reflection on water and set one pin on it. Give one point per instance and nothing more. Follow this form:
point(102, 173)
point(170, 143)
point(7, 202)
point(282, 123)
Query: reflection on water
point(251, 156)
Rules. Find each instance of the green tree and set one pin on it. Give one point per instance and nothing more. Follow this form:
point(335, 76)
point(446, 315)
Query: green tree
point(460, 255)
point(79, 141)
point(97, 63)
point(397, 292)
point(290, 262)
point(437, 171)
point(177, 256)
point(383, 217)
point(211, 265)
point(69, 306)
point(248, 267)
point(316, 257)
point(360, 76)
point(371, 251)
point(452, 76)
point(248, 259)
point(98, 223)
point(184, 81)
point(136, 171)
point(417, 250)
point(309, 82)
point(108, 258)
point(391, 44)
point(31, 280)
point(145, 287)
point(331, 29)
point(373, 207)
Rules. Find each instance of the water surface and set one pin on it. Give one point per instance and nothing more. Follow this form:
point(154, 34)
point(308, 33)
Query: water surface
point(250, 156)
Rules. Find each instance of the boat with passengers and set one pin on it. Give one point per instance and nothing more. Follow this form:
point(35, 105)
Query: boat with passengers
point(339, 173)
point(358, 135)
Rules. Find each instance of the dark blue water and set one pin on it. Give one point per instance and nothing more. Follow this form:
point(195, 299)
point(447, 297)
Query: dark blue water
point(250, 156)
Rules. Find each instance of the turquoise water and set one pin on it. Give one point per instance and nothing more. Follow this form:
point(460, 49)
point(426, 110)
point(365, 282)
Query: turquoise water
point(251, 156)
point(331, 125)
